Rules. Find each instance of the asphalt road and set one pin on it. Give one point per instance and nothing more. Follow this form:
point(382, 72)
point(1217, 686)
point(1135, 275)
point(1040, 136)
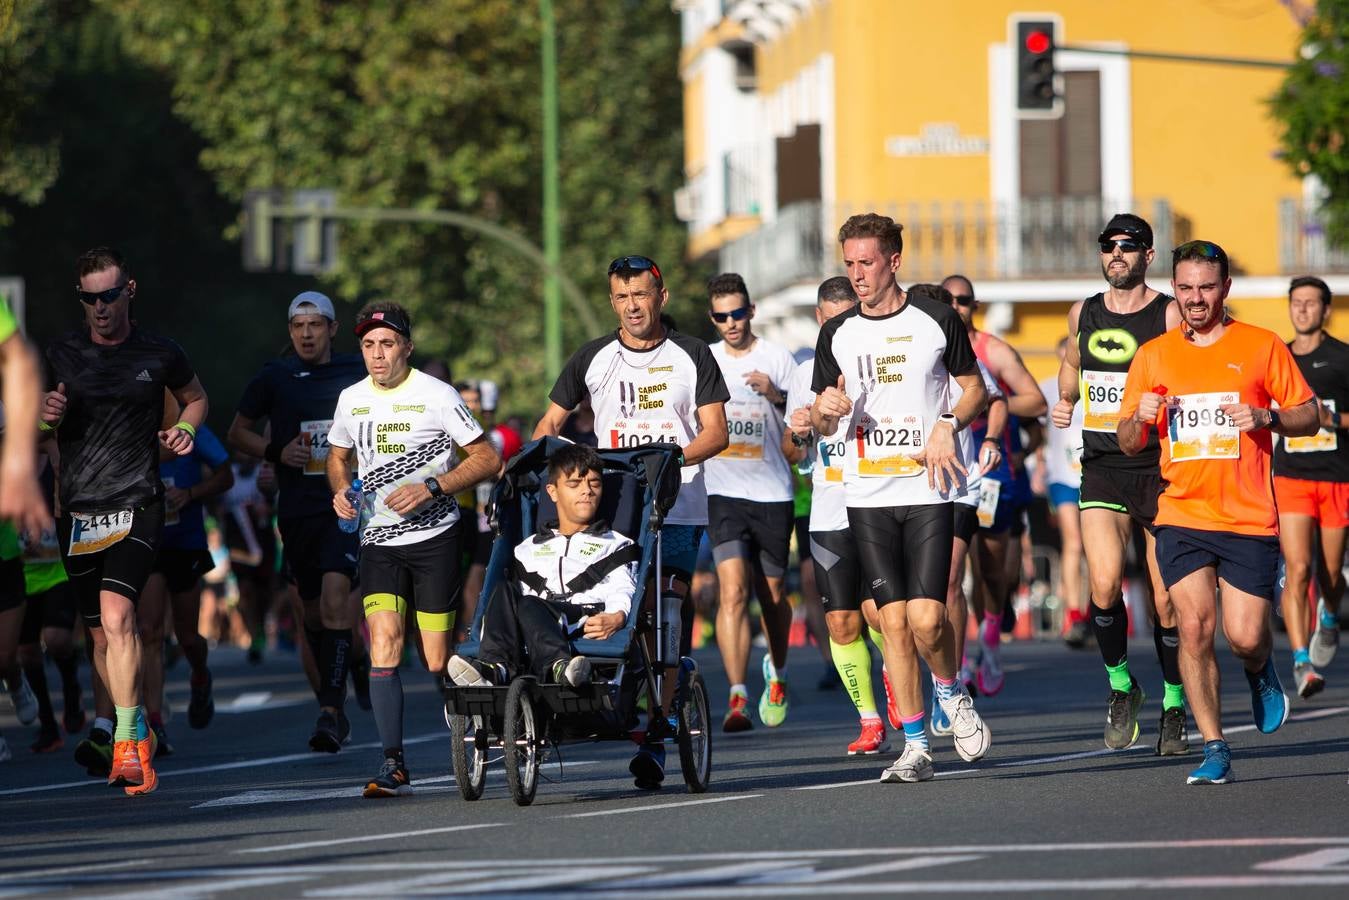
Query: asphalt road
point(243, 809)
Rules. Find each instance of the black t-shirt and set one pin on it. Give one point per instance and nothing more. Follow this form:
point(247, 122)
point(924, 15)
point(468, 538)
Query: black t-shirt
point(296, 397)
point(1324, 457)
point(109, 438)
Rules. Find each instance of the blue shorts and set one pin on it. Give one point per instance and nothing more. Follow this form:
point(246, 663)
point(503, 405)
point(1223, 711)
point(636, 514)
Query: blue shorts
point(679, 549)
point(1247, 562)
point(1008, 516)
point(1060, 494)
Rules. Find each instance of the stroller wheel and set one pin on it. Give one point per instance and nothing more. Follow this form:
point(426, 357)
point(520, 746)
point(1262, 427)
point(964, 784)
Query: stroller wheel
point(695, 735)
point(521, 739)
point(468, 755)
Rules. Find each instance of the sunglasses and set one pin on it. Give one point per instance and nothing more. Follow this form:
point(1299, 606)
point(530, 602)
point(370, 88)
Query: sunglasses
point(1205, 249)
point(635, 263)
point(963, 299)
point(109, 296)
point(1126, 245)
point(735, 315)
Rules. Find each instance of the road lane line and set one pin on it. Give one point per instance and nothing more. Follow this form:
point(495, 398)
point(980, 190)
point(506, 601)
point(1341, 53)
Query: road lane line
point(876, 780)
point(392, 836)
point(658, 806)
point(64, 870)
point(808, 875)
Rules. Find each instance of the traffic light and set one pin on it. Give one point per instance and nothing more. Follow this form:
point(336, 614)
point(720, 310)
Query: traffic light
point(1037, 81)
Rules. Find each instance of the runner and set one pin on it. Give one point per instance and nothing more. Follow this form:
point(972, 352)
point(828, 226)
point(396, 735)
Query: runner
point(749, 502)
point(1311, 484)
point(1062, 460)
point(21, 502)
point(1207, 388)
point(297, 393)
point(175, 584)
point(108, 382)
point(646, 384)
point(1117, 489)
point(886, 365)
point(401, 429)
point(1004, 493)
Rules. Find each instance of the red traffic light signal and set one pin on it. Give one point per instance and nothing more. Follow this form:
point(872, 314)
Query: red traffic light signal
point(1038, 42)
point(1037, 81)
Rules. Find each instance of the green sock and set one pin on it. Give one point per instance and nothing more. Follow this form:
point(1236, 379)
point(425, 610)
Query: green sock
point(126, 723)
point(1120, 679)
point(876, 638)
point(1173, 696)
point(853, 662)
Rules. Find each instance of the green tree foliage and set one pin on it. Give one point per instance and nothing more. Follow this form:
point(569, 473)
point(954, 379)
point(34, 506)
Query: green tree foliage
point(1313, 107)
point(29, 147)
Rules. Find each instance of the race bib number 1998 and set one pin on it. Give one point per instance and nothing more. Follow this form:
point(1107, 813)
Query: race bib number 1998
point(92, 532)
point(1199, 429)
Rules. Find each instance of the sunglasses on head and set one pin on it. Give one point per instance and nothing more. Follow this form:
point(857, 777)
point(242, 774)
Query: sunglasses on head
point(1205, 249)
point(963, 299)
point(109, 296)
point(1126, 245)
point(734, 315)
point(634, 263)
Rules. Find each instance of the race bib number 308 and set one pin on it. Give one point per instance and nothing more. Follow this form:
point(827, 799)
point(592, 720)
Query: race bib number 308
point(92, 532)
point(886, 448)
point(1199, 429)
point(745, 429)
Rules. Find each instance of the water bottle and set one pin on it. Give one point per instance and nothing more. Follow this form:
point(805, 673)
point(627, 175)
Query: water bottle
point(356, 497)
point(670, 622)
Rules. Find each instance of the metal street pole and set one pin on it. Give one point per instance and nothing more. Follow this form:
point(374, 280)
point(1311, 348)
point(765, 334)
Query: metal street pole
point(552, 239)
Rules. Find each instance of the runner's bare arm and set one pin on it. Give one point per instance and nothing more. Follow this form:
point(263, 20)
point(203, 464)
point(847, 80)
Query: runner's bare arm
point(1132, 431)
point(1069, 372)
point(218, 482)
point(339, 468)
point(800, 426)
point(1027, 400)
point(1302, 420)
point(990, 451)
point(712, 435)
point(551, 423)
point(192, 398)
point(243, 436)
point(20, 498)
point(1173, 316)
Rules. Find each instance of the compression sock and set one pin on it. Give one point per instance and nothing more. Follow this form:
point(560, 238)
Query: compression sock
point(314, 638)
point(333, 660)
point(914, 732)
point(1121, 679)
point(1173, 696)
point(943, 689)
point(104, 725)
point(1111, 628)
point(1300, 656)
point(991, 631)
point(876, 638)
point(853, 662)
point(386, 701)
point(127, 720)
point(36, 673)
point(1167, 642)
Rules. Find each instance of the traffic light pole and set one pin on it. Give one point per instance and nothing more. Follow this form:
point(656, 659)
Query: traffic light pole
point(1179, 57)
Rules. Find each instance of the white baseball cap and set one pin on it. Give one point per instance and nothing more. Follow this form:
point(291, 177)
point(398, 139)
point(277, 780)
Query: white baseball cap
point(322, 305)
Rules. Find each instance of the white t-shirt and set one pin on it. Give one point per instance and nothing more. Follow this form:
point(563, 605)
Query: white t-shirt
point(897, 370)
point(1063, 446)
point(752, 467)
point(965, 439)
point(403, 436)
point(646, 397)
point(828, 499)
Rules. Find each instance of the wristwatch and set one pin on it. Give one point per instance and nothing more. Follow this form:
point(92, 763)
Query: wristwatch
point(433, 485)
point(949, 420)
point(1273, 419)
point(800, 441)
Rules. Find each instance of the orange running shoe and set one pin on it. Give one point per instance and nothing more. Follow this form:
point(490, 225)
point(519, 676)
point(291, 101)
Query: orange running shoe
point(126, 764)
point(147, 749)
point(736, 717)
point(871, 740)
point(891, 709)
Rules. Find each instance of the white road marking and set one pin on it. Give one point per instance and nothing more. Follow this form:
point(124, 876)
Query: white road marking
point(459, 881)
point(209, 888)
point(258, 701)
point(808, 875)
point(392, 836)
point(62, 870)
point(693, 876)
point(1331, 859)
point(876, 780)
point(659, 806)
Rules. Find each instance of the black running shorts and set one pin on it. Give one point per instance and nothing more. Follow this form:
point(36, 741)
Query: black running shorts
point(313, 546)
point(12, 587)
point(1122, 491)
point(122, 568)
point(905, 551)
point(426, 576)
point(837, 573)
point(182, 569)
point(53, 608)
point(748, 529)
point(966, 520)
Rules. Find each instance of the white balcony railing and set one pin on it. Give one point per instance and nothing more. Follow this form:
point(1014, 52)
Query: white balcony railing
point(1304, 248)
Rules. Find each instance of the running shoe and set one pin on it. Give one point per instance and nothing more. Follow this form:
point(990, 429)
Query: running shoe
point(127, 768)
point(5, 755)
point(1269, 704)
point(48, 739)
point(1309, 681)
point(201, 708)
point(1217, 766)
point(1326, 638)
point(392, 781)
point(773, 700)
point(938, 723)
point(736, 717)
point(1077, 634)
point(1121, 717)
point(648, 767)
point(162, 740)
point(972, 737)
point(572, 672)
point(95, 753)
point(891, 708)
point(913, 765)
point(360, 681)
point(325, 738)
point(1172, 737)
point(146, 750)
point(991, 678)
point(871, 741)
point(25, 702)
point(466, 672)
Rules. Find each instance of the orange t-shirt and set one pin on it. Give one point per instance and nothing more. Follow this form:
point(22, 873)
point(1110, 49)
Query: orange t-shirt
point(1217, 479)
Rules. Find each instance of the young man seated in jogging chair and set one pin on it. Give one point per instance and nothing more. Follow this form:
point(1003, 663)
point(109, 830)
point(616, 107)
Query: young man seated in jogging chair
point(575, 578)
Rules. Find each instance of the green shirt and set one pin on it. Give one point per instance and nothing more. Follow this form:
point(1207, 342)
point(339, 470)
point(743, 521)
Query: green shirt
point(8, 324)
point(39, 578)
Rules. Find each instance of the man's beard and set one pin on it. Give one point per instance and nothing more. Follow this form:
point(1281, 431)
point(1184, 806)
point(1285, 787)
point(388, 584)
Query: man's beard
point(1130, 278)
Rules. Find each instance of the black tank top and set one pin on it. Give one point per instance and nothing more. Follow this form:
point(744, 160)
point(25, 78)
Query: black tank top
point(1106, 343)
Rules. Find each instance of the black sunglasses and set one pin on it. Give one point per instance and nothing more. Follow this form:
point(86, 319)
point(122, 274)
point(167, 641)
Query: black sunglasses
point(735, 315)
point(109, 296)
point(1127, 245)
point(963, 299)
point(635, 263)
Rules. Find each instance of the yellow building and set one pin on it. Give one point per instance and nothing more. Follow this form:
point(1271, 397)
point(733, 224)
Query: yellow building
point(799, 113)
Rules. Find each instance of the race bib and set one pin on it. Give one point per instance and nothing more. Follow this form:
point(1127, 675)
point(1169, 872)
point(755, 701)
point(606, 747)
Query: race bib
point(989, 492)
point(831, 459)
point(1102, 393)
point(47, 550)
point(886, 447)
point(745, 427)
point(314, 435)
point(625, 433)
point(170, 516)
point(1323, 440)
point(1199, 429)
point(93, 532)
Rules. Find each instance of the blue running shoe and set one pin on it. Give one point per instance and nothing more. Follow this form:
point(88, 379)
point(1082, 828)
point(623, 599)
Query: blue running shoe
point(648, 767)
point(939, 724)
point(1217, 767)
point(1268, 701)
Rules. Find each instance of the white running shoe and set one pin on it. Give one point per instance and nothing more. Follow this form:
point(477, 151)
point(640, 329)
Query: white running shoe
point(913, 765)
point(25, 703)
point(972, 737)
point(1325, 639)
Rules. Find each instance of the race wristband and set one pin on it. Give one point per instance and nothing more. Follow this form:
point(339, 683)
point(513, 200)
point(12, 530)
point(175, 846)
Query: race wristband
point(273, 452)
point(44, 427)
point(189, 428)
point(993, 441)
